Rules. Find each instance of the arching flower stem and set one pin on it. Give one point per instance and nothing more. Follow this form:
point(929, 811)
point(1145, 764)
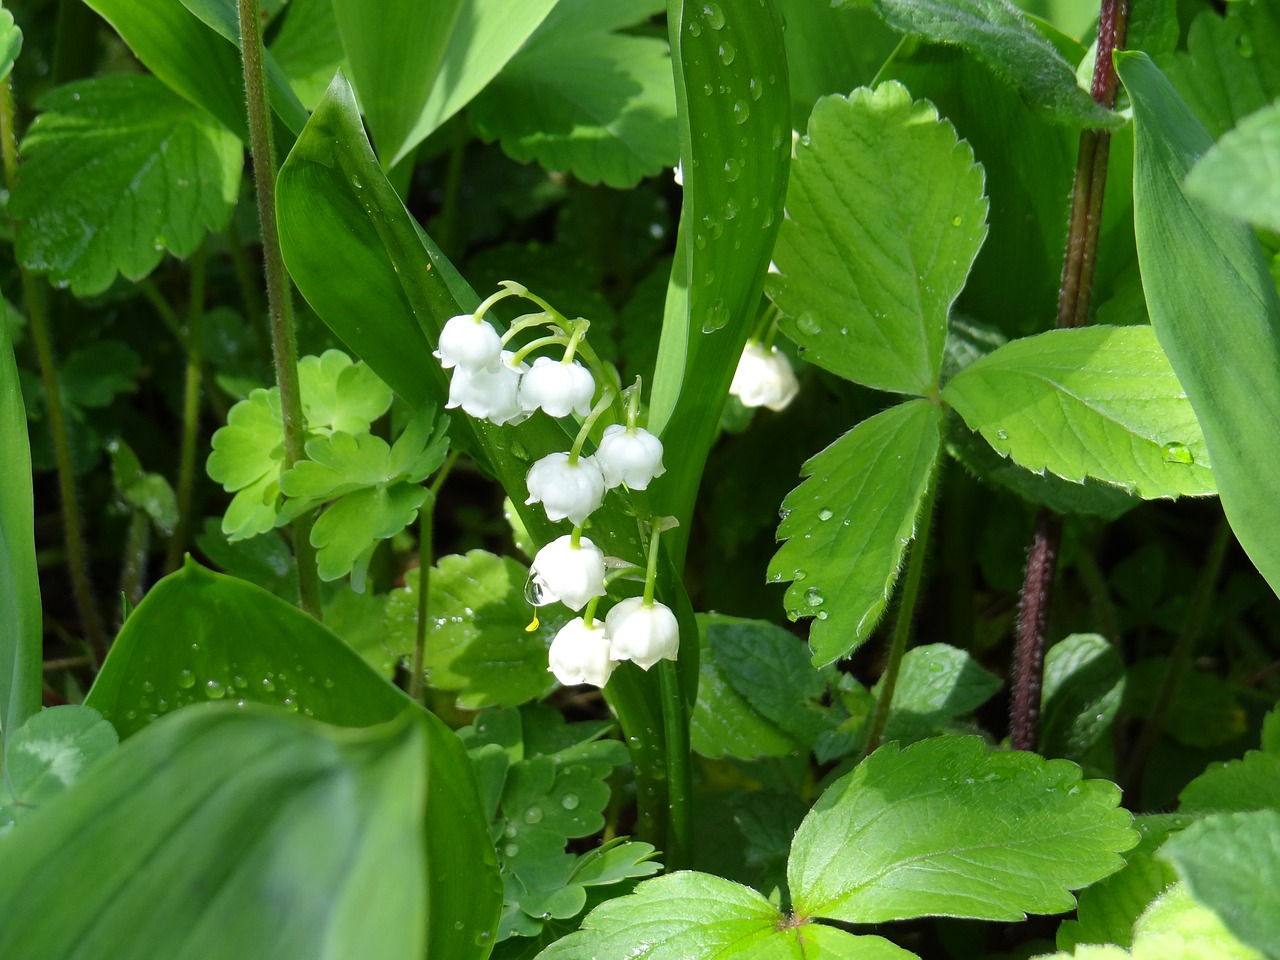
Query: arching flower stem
point(597, 411)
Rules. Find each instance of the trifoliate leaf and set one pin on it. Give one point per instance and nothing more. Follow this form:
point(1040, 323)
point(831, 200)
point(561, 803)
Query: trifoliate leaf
point(1001, 36)
point(347, 532)
point(48, 753)
point(10, 43)
point(848, 525)
point(338, 394)
point(697, 916)
point(477, 645)
point(1231, 863)
point(118, 170)
point(936, 684)
point(246, 459)
point(869, 274)
point(583, 99)
point(946, 828)
point(1240, 175)
point(1083, 690)
point(1097, 402)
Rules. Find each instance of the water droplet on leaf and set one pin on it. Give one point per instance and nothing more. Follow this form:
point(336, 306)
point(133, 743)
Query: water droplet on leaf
point(813, 597)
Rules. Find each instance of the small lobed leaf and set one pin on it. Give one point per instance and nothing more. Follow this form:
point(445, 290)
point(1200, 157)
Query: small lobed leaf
point(118, 170)
point(1240, 175)
point(947, 828)
point(339, 394)
point(10, 43)
point(246, 458)
point(48, 754)
point(347, 532)
point(1097, 402)
point(868, 275)
point(847, 525)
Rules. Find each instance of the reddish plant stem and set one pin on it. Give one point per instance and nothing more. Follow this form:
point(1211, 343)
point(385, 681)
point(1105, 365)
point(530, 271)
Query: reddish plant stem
point(1074, 298)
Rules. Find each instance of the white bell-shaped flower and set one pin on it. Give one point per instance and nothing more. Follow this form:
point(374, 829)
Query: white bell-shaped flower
point(643, 634)
point(557, 388)
point(568, 574)
point(469, 343)
point(764, 378)
point(565, 489)
point(580, 654)
point(490, 393)
point(629, 455)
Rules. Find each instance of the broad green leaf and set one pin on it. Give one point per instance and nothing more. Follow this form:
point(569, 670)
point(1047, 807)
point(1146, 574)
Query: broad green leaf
point(477, 644)
point(1101, 402)
point(187, 56)
point(308, 49)
point(48, 754)
point(21, 670)
point(1239, 175)
point(1204, 711)
point(1083, 690)
point(394, 50)
point(240, 642)
point(118, 170)
point(1235, 786)
point(697, 916)
point(868, 274)
point(848, 525)
point(1001, 36)
point(735, 151)
point(946, 828)
point(10, 43)
point(1231, 863)
point(489, 34)
point(1214, 307)
point(326, 825)
point(581, 99)
point(936, 684)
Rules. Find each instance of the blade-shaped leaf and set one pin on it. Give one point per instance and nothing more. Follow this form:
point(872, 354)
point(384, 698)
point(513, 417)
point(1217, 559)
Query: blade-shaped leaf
point(326, 826)
point(869, 274)
point(697, 916)
point(1240, 175)
point(848, 525)
point(1001, 36)
point(947, 828)
point(118, 169)
point(308, 49)
point(1097, 402)
point(21, 670)
point(1214, 307)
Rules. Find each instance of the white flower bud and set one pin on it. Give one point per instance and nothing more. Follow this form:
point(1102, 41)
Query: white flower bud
point(566, 489)
point(557, 388)
point(491, 393)
point(764, 379)
point(631, 456)
point(642, 634)
point(468, 342)
point(580, 654)
point(568, 574)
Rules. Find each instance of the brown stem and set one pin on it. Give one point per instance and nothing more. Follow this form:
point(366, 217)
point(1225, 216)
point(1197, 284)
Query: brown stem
point(1033, 622)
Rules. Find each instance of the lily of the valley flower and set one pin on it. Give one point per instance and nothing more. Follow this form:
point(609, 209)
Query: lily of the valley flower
point(630, 455)
point(641, 632)
point(566, 489)
point(557, 388)
point(569, 573)
point(490, 393)
point(764, 378)
point(580, 654)
point(468, 342)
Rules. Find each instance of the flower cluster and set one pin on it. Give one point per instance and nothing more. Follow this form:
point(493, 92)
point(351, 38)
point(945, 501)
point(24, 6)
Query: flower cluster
point(492, 381)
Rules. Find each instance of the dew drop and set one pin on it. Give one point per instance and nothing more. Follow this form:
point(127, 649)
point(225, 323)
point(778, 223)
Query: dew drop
point(186, 679)
point(727, 53)
point(268, 684)
point(813, 597)
point(809, 324)
point(714, 16)
point(732, 169)
point(533, 815)
point(822, 614)
point(741, 111)
point(695, 28)
point(825, 514)
point(730, 208)
point(1177, 453)
point(754, 87)
point(1245, 46)
point(511, 849)
point(147, 686)
point(510, 831)
point(797, 575)
point(717, 316)
point(956, 221)
point(214, 690)
point(1002, 434)
point(569, 801)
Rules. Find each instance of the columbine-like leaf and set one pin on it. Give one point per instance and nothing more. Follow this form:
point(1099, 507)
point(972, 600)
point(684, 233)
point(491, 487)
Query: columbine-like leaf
point(1214, 307)
point(327, 826)
point(1231, 863)
point(477, 644)
point(48, 754)
point(947, 828)
point(338, 394)
point(848, 524)
point(1239, 175)
point(869, 274)
point(580, 98)
point(10, 43)
point(117, 171)
point(1001, 36)
point(696, 916)
point(347, 532)
point(1100, 402)
point(1083, 690)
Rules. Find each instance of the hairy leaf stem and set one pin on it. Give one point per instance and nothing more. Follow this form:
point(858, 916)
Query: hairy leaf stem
point(1074, 297)
point(284, 348)
point(193, 341)
point(906, 612)
point(33, 294)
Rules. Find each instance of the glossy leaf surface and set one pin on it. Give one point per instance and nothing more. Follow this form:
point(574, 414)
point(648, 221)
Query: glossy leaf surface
point(48, 754)
point(1214, 306)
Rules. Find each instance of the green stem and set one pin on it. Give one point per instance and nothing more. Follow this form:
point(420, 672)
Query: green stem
point(284, 349)
point(584, 431)
point(194, 341)
point(137, 545)
point(651, 574)
point(426, 525)
point(167, 314)
point(906, 611)
point(675, 728)
point(33, 294)
point(1178, 661)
